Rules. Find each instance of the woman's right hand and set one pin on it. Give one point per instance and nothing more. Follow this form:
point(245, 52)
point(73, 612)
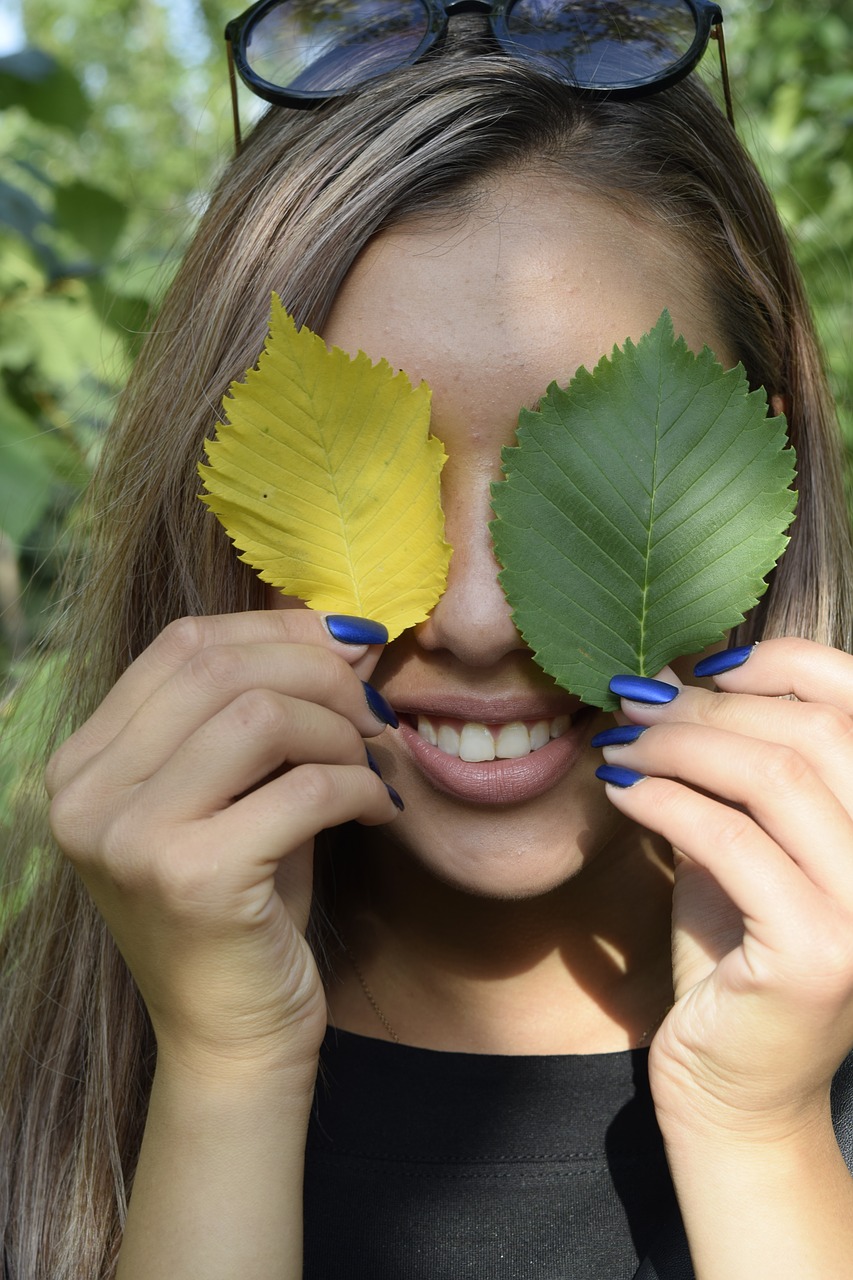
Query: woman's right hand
point(188, 804)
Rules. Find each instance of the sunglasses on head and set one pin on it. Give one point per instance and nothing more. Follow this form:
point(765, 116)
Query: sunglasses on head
point(299, 53)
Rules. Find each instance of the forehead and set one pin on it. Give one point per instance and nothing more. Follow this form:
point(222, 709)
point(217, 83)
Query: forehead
point(532, 281)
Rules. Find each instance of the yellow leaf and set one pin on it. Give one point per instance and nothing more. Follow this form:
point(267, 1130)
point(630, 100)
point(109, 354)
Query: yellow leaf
point(328, 482)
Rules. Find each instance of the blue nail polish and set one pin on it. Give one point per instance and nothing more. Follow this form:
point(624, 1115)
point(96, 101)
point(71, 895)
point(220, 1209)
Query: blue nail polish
point(380, 708)
point(618, 776)
point(395, 797)
point(350, 630)
point(372, 765)
point(620, 736)
point(642, 689)
point(725, 660)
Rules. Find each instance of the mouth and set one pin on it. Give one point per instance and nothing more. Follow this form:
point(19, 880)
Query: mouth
point(494, 762)
point(477, 742)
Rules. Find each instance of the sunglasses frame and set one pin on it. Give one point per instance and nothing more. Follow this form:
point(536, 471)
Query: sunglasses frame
point(709, 26)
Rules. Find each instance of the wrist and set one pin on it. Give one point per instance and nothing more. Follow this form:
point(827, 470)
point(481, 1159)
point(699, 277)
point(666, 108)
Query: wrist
point(206, 1074)
point(735, 1141)
point(775, 1199)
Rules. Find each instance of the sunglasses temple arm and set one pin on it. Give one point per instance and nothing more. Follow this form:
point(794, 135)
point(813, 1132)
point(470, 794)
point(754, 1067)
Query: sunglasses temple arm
point(235, 110)
point(717, 34)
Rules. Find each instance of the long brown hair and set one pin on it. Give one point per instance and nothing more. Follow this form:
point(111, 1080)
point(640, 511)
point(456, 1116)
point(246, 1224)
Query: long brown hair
point(291, 214)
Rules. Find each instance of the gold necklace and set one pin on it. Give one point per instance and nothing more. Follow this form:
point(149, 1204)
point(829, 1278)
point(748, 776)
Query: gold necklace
point(645, 1038)
point(371, 998)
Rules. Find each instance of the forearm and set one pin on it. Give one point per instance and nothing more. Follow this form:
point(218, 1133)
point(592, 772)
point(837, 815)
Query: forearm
point(780, 1209)
point(218, 1191)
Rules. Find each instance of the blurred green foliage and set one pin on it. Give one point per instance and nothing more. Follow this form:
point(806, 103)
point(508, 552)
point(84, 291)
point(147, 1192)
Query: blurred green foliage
point(114, 115)
point(792, 68)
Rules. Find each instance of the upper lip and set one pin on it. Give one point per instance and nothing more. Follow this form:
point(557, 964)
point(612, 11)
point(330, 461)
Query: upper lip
point(497, 708)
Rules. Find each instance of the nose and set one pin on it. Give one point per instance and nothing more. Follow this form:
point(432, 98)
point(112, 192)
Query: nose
point(472, 620)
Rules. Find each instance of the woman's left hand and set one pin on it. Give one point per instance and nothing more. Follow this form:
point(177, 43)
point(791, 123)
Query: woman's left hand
point(755, 792)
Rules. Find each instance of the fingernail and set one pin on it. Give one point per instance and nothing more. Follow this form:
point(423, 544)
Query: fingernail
point(618, 776)
point(725, 660)
point(350, 630)
point(380, 708)
point(395, 797)
point(642, 689)
point(371, 764)
point(619, 736)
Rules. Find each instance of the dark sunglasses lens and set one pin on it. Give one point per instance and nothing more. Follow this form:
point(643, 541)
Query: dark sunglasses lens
point(605, 45)
point(328, 46)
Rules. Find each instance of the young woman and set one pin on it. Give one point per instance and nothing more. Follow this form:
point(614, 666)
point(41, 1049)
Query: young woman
point(540, 1059)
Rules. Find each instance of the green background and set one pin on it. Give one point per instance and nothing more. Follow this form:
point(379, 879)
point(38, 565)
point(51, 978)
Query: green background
point(113, 120)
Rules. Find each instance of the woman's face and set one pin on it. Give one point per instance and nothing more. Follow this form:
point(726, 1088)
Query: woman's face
point(537, 281)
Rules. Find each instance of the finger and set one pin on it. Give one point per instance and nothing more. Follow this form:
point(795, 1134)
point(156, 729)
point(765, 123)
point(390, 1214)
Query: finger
point(778, 668)
point(774, 783)
point(291, 809)
point(766, 886)
point(218, 675)
point(176, 646)
point(821, 734)
point(264, 732)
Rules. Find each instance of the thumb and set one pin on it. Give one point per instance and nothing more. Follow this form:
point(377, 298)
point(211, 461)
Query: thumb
point(360, 640)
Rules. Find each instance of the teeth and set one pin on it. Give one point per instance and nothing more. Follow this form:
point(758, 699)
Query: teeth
point(513, 742)
point(427, 732)
point(477, 742)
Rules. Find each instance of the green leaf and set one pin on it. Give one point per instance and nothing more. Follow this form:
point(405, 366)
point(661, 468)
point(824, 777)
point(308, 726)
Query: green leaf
point(20, 211)
point(93, 217)
point(45, 89)
point(642, 508)
point(58, 335)
point(27, 474)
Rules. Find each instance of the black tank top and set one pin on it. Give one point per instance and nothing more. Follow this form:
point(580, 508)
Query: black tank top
point(425, 1165)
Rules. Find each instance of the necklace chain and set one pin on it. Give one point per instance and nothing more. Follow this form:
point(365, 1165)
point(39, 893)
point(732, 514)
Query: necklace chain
point(371, 998)
point(641, 1043)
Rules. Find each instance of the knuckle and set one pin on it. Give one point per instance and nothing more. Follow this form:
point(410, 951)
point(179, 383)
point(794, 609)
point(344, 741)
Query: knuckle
point(216, 668)
point(734, 833)
point(331, 671)
point(143, 863)
point(720, 710)
point(65, 815)
point(781, 769)
point(181, 639)
point(257, 712)
point(66, 762)
point(56, 769)
point(314, 786)
point(827, 726)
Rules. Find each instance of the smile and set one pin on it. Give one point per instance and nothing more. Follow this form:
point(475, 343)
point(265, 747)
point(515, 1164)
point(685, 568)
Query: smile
point(494, 762)
point(475, 743)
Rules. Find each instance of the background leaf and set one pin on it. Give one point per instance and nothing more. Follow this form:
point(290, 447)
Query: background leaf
point(44, 88)
point(327, 480)
point(642, 508)
point(93, 217)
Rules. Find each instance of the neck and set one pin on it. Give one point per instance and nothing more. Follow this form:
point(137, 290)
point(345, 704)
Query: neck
point(576, 970)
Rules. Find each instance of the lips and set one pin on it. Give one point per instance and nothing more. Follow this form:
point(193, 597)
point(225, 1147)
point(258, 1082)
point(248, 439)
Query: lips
point(490, 761)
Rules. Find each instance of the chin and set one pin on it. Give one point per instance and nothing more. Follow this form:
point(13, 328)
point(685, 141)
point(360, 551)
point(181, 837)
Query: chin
point(513, 853)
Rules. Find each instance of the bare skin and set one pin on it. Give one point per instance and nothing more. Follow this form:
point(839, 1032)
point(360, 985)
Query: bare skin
point(190, 801)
